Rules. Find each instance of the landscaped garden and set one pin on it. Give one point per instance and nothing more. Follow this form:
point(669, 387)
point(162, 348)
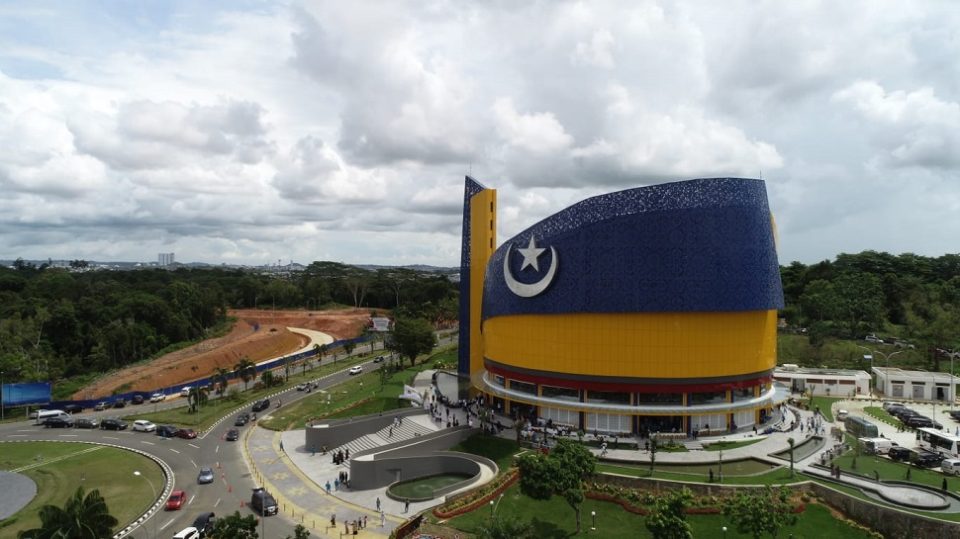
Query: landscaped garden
point(59, 468)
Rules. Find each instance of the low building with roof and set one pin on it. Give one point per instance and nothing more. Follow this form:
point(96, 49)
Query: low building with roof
point(897, 383)
point(823, 382)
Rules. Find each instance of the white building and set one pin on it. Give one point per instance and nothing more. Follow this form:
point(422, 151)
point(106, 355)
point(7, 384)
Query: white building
point(823, 382)
point(917, 385)
point(165, 259)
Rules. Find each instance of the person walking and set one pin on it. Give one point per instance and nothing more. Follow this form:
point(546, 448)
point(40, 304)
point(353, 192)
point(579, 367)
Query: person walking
point(383, 520)
point(378, 503)
point(406, 506)
point(281, 447)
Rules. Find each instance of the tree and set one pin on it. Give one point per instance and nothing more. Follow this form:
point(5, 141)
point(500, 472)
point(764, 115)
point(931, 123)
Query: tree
point(560, 473)
point(300, 532)
point(412, 337)
point(791, 441)
point(668, 519)
point(220, 378)
point(235, 527)
point(246, 370)
point(764, 512)
point(502, 528)
point(268, 379)
point(653, 453)
point(349, 347)
point(82, 517)
point(196, 398)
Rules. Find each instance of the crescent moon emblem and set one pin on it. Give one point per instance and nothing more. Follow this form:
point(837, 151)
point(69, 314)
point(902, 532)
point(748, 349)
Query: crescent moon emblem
point(529, 290)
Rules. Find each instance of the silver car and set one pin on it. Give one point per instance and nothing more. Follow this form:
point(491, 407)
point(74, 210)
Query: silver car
point(205, 476)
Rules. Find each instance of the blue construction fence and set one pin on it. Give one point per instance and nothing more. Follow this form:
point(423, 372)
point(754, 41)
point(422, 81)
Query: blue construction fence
point(24, 394)
point(175, 390)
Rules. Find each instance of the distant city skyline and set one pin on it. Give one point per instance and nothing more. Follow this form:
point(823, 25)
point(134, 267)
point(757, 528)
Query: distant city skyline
point(242, 132)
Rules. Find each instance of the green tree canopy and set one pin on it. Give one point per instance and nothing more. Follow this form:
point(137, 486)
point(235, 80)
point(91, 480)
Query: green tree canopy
point(84, 516)
point(561, 473)
point(668, 520)
point(411, 337)
point(759, 513)
point(235, 527)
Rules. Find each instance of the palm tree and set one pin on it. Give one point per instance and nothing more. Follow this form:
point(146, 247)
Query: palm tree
point(82, 517)
point(221, 380)
point(246, 370)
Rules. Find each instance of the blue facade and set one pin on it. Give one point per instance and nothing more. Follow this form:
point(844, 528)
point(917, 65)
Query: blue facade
point(470, 188)
point(703, 245)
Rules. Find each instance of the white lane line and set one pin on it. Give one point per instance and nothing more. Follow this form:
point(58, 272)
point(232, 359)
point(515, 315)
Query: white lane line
point(218, 449)
point(194, 446)
point(146, 442)
point(190, 500)
point(16, 435)
point(67, 435)
point(24, 430)
point(194, 463)
point(169, 522)
point(218, 502)
point(110, 438)
point(174, 450)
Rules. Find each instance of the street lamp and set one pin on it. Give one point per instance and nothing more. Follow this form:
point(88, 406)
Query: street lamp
point(724, 531)
point(886, 359)
point(152, 489)
point(2, 403)
point(593, 515)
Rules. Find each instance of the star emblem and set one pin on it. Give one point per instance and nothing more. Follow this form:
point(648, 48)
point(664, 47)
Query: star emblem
point(530, 255)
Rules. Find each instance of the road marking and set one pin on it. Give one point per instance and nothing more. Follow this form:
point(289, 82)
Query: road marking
point(14, 435)
point(67, 435)
point(110, 438)
point(218, 449)
point(218, 502)
point(190, 500)
point(194, 446)
point(194, 463)
point(171, 449)
point(146, 442)
point(24, 430)
point(169, 522)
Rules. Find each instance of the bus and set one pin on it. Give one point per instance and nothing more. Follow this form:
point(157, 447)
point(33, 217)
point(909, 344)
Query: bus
point(859, 427)
point(938, 442)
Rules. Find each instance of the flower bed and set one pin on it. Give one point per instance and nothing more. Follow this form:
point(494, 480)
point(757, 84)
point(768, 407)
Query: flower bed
point(478, 498)
point(637, 501)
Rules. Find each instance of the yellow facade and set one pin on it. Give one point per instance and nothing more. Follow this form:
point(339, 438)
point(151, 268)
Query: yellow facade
point(483, 238)
point(634, 345)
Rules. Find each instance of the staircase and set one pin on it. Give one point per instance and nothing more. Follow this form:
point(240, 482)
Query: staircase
point(407, 430)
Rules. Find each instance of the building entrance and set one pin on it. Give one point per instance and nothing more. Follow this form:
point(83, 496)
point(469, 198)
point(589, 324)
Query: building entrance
point(647, 424)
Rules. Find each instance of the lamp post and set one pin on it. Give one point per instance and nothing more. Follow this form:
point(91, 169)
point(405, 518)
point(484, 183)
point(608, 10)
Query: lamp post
point(593, 516)
point(152, 489)
point(886, 359)
point(2, 395)
point(724, 531)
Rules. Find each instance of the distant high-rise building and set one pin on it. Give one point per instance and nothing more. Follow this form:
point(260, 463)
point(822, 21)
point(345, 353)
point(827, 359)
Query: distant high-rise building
point(165, 259)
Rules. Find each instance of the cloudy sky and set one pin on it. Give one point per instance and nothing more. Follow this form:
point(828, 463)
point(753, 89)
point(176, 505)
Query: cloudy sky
point(247, 132)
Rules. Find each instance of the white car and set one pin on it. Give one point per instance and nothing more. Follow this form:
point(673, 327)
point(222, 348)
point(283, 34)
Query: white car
point(142, 425)
point(157, 397)
point(357, 369)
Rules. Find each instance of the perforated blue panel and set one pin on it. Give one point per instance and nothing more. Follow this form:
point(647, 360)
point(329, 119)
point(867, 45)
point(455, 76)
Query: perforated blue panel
point(701, 245)
point(470, 188)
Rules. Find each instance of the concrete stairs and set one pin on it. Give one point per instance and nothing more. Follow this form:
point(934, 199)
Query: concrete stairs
point(407, 430)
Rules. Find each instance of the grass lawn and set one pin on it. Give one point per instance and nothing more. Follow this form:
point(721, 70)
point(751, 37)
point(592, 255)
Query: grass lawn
point(877, 412)
point(216, 408)
point(498, 450)
point(824, 403)
point(360, 395)
point(890, 470)
point(725, 445)
point(745, 472)
point(554, 519)
point(107, 469)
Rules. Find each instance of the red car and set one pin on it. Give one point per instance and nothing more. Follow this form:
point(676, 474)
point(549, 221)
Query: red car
point(189, 434)
point(176, 500)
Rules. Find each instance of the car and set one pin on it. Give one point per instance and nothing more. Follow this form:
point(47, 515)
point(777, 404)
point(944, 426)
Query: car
point(186, 434)
point(950, 466)
point(142, 425)
point(101, 406)
point(73, 408)
point(919, 421)
point(58, 422)
point(901, 454)
point(954, 415)
point(157, 397)
point(356, 369)
point(137, 399)
point(378, 359)
point(263, 502)
point(233, 435)
point(204, 523)
point(113, 423)
point(205, 476)
point(119, 403)
point(188, 533)
point(242, 419)
point(927, 460)
point(176, 499)
point(889, 405)
point(301, 387)
point(185, 391)
point(86, 423)
point(261, 405)
point(167, 431)
point(872, 338)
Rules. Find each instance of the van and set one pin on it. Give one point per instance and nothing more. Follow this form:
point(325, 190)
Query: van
point(876, 446)
point(842, 414)
point(188, 533)
point(262, 502)
point(185, 391)
point(950, 466)
point(44, 415)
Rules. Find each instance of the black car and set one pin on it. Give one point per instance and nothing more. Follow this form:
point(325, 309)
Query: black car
point(233, 435)
point(119, 403)
point(73, 408)
point(86, 423)
point(204, 523)
point(954, 414)
point(919, 421)
point(58, 423)
point(242, 419)
point(378, 359)
point(261, 405)
point(901, 454)
point(137, 399)
point(263, 502)
point(113, 424)
point(167, 431)
point(927, 460)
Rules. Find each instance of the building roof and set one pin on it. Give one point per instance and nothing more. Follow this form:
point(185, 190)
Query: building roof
point(820, 372)
point(919, 376)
